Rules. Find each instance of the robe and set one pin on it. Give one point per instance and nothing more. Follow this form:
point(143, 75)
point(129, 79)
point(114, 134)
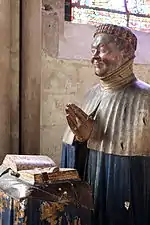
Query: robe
point(115, 160)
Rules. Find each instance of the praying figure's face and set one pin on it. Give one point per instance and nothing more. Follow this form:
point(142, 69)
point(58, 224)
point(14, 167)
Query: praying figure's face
point(106, 56)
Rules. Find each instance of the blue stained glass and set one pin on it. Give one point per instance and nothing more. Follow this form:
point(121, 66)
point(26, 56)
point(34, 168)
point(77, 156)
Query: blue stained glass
point(84, 2)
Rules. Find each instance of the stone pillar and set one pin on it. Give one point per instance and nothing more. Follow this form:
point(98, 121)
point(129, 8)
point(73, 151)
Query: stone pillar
point(14, 66)
point(30, 76)
point(5, 77)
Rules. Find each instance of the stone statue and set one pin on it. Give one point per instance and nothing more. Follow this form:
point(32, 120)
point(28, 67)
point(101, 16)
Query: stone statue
point(108, 138)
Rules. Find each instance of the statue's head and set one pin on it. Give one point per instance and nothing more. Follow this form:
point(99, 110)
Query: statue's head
point(112, 47)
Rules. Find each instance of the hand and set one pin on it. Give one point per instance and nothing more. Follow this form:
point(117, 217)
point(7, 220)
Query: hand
point(80, 123)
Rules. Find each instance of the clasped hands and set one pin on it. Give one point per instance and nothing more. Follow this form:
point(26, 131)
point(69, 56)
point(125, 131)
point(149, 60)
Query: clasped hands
point(79, 122)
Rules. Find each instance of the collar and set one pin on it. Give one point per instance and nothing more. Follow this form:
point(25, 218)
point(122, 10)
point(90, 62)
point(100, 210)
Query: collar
point(119, 78)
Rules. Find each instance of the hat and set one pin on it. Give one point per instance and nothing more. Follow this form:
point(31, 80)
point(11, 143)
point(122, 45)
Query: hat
point(118, 31)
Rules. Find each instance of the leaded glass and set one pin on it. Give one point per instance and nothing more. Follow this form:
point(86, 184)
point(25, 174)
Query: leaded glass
point(92, 16)
point(139, 6)
point(75, 1)
point(110, 4)
point(85, 2)
point(139, 23)
point(104, 4)
point(132, 13)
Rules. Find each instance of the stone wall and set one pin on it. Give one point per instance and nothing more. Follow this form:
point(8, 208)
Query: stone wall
point(52, 25)
point(65, 81)
point(57, 7)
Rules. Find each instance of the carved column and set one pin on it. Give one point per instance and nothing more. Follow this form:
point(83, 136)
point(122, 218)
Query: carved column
point(30, 76)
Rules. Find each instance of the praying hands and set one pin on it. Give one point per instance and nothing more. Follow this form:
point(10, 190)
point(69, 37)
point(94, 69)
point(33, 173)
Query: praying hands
point(79, 122)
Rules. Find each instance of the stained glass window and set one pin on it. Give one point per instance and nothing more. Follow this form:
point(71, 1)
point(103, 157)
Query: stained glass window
point(139, 7)
point(131, 13)
point(92, 16)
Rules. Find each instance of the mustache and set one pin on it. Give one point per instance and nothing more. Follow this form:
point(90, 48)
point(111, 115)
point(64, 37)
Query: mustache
point(99, 60)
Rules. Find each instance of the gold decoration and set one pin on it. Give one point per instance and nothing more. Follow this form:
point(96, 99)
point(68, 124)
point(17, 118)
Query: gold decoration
point(5, 202)
point(20, 217)
point(49, 212)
